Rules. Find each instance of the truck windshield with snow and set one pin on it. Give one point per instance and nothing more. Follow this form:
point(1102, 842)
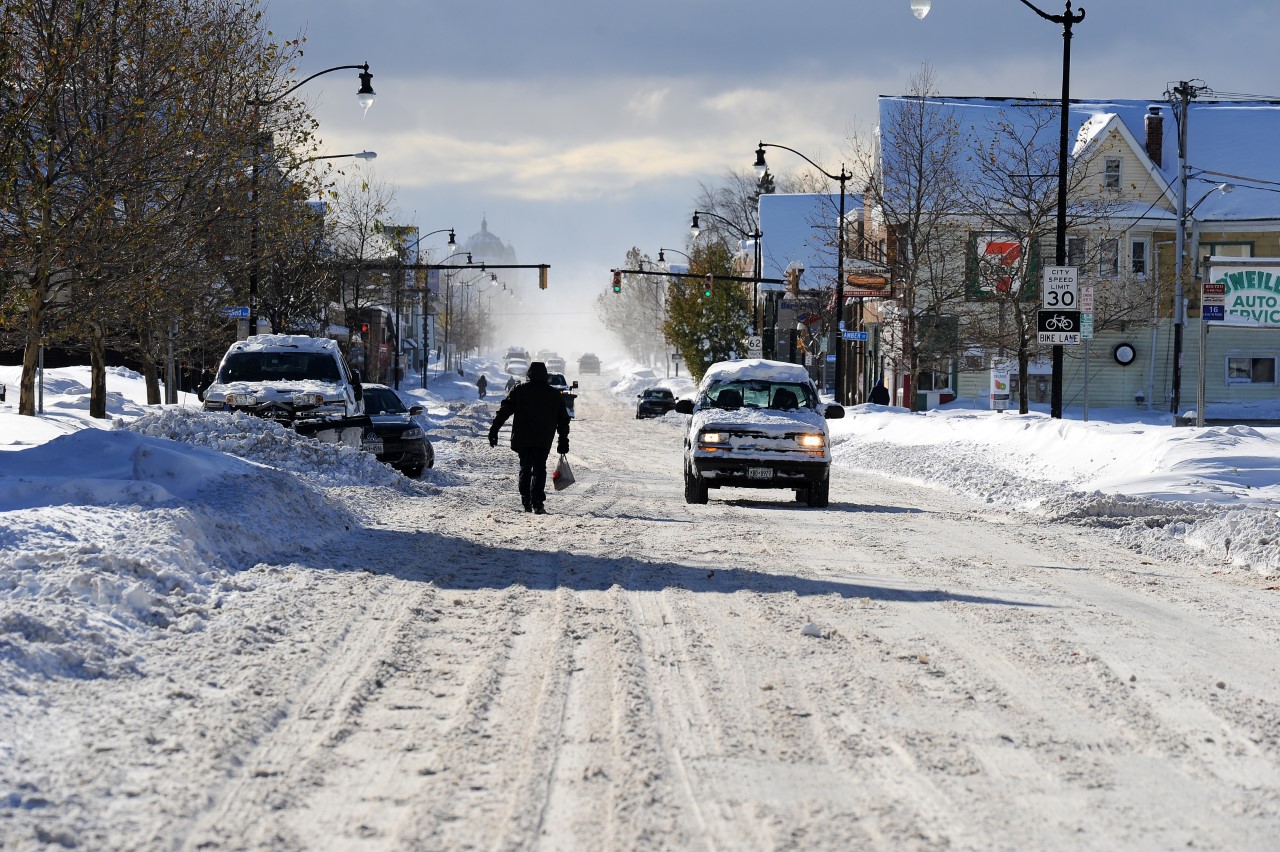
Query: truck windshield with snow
point(758, 424)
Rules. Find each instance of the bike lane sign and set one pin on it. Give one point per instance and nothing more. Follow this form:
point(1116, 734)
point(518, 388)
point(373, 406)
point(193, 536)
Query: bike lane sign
point(1058, 328)
point(1060, 291)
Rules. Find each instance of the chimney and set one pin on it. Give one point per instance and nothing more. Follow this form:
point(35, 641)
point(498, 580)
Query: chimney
point(1154, 122)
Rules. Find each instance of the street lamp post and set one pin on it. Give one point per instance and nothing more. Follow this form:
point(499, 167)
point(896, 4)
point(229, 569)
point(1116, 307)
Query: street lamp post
point(403, 252)
point(755, 237)
point(365, 96)
point(920, 8)
point(843, 177)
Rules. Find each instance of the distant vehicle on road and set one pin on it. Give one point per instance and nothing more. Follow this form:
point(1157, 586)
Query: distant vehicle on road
point(560, 383)
point(589, 363)
point(654, 402)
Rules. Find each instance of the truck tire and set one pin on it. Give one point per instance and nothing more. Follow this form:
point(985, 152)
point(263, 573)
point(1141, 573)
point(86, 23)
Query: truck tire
point(818, 494)
point(695, 490)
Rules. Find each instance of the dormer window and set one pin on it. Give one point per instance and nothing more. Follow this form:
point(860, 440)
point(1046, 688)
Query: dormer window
point(1111, 172)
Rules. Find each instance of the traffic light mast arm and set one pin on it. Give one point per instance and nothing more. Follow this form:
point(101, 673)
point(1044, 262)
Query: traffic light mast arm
point(746, 279)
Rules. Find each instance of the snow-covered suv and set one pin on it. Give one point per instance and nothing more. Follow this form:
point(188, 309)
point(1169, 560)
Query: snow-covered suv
point(300, 381)
point(758, 424)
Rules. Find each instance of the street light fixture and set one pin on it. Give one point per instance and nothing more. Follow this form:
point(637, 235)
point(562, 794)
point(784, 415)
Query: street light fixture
point(365, 97)
point(695, 229)
point(663, 259)
point(921, 8)
point(762, 168)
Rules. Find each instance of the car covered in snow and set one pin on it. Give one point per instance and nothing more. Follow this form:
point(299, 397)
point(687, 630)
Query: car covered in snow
point(758, 424)
point(405, 446)
point(299, 381)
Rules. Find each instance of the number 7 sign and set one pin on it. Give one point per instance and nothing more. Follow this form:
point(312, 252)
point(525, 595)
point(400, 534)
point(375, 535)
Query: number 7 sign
point(1060, 290)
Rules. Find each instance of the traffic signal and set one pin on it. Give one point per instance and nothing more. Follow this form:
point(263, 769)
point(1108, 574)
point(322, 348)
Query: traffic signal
point(706, 287)
point(542, 277)
point(617, 281)
point(792, 274)
point(364, 328)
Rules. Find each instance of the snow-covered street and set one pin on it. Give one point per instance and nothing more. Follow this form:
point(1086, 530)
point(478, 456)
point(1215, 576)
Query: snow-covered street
point(421, 665)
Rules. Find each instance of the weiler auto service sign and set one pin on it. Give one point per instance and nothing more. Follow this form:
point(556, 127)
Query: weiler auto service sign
point(1243, 291)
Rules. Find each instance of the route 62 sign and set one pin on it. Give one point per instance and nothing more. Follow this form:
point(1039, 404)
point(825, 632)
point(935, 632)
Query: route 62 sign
point(1057, 328)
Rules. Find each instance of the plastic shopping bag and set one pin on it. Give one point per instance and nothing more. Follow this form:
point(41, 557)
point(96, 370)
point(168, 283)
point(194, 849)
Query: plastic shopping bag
point(562, 476)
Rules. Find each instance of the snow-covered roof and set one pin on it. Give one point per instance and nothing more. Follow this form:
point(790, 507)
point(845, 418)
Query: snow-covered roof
point(748, 369)
point(277, 342)
point(1227, 141)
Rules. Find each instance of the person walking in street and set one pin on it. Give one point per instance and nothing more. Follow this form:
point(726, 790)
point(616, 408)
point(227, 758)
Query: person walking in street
point(880, 393)
point(537, 414)
point(482, 386)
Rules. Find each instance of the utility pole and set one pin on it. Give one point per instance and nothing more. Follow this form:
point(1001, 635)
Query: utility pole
point(1181, 97)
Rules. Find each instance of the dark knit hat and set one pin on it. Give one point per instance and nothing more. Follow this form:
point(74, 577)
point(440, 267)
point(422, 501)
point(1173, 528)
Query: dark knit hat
point(537, 372)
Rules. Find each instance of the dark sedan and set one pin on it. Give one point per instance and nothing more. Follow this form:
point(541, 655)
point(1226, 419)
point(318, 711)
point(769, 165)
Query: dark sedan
point(655, 402)
point(404, 443)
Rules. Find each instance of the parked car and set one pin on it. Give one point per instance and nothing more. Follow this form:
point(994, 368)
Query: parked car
point(560, 383)
point(404, 442)
point(654, 402)
point(589, 363)
point(301, 382)
point(758, 424)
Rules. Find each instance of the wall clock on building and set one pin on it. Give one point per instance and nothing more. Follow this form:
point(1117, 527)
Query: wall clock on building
point(1124, 354)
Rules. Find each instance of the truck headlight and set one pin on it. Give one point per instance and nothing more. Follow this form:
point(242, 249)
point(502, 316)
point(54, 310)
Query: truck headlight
point(811, 442)
point(240, 399)
point(713, 437)
point(412, 434)
point(308, 399)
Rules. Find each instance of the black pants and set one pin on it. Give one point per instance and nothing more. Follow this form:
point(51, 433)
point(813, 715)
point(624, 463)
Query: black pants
point(533, 476)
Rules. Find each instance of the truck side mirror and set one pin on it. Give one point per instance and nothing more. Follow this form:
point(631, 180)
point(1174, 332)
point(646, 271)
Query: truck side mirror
point(684, 406)
point(833, 411)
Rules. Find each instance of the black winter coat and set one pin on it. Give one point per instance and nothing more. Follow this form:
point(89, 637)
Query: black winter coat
point(539, 414)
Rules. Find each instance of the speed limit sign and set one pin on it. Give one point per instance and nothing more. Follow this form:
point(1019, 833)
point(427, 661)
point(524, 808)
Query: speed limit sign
point(1060, 288)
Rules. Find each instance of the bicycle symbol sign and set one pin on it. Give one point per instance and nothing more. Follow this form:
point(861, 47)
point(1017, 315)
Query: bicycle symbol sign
point(1058, 327)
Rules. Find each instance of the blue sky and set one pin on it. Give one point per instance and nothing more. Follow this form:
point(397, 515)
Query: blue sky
point(581, 130)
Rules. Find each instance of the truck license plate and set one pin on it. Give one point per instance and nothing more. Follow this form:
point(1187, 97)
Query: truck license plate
point(759, 473)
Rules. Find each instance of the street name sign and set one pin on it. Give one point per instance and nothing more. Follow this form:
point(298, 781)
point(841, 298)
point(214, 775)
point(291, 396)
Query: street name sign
point(1058, 328)
point(237, 312)
point(854, 335)
point(1060, 290)
point(1213, 301)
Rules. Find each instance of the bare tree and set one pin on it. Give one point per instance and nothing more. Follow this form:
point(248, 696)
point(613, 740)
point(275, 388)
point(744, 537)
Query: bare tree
point(1013, 194)
point(914, 182)
point(636, 313)
point(361, 208)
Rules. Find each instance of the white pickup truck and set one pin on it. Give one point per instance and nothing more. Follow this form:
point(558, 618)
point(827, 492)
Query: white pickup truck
point(758, 424)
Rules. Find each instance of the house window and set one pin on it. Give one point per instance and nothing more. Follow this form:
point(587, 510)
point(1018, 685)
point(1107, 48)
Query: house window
point(1075, 251)
point(1112, 173)
point(1226, 249)
point(1109, 258)
point(1251, 371)
point(1138, 258)
point(936, 379)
